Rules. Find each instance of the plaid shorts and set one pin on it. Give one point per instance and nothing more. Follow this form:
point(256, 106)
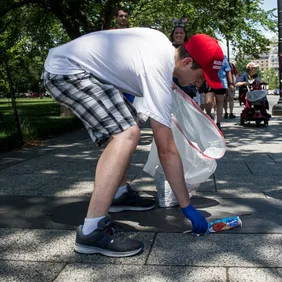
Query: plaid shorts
point(101, 107)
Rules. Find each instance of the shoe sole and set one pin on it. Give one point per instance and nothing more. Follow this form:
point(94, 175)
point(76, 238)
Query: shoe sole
point(83, 249)
point(114, 209)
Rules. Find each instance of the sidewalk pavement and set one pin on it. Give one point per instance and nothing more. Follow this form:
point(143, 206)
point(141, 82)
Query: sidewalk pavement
point(44, 193)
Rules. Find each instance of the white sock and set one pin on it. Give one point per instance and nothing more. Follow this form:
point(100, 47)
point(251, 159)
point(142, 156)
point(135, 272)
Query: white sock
point(121, 190)
point(90, 224)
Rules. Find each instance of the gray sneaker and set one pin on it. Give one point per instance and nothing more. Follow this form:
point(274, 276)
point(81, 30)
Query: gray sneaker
point(106, 241)
point(131, 201)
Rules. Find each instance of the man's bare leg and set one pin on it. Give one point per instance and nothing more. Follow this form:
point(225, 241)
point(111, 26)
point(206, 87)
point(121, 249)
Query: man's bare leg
point(98, 235)
point(111, 169)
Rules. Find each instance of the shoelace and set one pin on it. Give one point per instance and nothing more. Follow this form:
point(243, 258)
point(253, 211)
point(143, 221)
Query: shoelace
point(135, 194)
point(110, 228)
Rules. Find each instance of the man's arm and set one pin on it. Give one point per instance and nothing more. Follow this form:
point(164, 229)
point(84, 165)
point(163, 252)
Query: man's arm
point(173, 169)
point(230, 80)
point(241, 80)
point(170, 161)
point(241, 83)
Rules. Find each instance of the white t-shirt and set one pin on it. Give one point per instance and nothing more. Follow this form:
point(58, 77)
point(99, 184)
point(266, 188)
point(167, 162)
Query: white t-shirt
point(139, 61)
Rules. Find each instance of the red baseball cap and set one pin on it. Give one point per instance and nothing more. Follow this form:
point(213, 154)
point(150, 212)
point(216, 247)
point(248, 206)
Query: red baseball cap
point(206, 51)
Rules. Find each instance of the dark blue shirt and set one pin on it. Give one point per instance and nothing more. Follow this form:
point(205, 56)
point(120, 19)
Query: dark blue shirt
point(244, 77)
point(190, 90)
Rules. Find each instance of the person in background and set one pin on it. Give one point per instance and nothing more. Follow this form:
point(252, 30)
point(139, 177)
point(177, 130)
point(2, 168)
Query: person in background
point(250, 80)
point(122, 22)
point(177, 37)
point(225, 77)
point(247, 79)
point(229, 97)
point(122, 18)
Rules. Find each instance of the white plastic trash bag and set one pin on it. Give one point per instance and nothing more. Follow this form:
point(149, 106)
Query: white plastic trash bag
point(165, 194)
point(199, 143)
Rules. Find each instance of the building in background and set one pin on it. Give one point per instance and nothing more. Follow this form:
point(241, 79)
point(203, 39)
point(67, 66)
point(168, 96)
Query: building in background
point(269, 60)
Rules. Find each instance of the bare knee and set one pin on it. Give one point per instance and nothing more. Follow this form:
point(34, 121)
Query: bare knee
point(130, 136)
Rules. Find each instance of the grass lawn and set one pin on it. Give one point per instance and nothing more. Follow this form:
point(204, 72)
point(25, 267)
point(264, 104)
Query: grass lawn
point(40, 119)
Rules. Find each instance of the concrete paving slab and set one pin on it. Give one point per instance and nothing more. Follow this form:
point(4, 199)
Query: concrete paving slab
point(244, 183)
point(57, 246)
point(265, 169)
point(277, 157)
point(124, 273)
point(234, 157)
point(251, 250)
point(248, 185)
point(25, 184)
point(234, 169)
point(260, 223)
point(254, 274)
point(19, 156)
point(11, 271)
point(69, 212)
point(274, 194)
point(9, 237)
point(271, 148)
point(68, 187)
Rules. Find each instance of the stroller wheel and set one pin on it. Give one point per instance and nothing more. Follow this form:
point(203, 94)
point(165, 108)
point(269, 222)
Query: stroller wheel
point(266, 122)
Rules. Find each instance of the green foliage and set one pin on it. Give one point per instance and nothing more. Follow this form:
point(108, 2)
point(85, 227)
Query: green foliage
point(240, 21)
point(24, 44)
point(271, 77)
point(40, 118)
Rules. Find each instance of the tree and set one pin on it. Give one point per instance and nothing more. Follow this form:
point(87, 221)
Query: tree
point(271, 77)
point(238, 21)
point(77, 16)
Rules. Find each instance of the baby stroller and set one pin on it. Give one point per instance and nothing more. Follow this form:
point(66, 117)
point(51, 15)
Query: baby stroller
point(256, 105)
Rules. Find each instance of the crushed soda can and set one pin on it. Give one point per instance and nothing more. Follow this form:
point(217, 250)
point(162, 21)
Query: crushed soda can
point(222, 224)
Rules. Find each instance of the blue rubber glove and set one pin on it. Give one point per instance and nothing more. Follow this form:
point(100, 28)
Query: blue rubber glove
point(200, 225)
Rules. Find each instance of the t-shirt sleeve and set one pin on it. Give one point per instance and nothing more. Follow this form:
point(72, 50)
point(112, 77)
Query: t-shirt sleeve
point(157, 98)
point(242, 78)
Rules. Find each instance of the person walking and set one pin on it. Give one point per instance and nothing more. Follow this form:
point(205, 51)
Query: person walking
point(225, 77)
point(177, 37)
point(229, 97)
point(89, 81)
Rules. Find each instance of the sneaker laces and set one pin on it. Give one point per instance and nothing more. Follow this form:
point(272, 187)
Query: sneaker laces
point(135, 194)
point(111, 229)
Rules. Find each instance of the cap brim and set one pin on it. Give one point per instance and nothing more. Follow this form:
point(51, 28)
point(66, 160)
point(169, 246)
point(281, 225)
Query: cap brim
point(213, 79)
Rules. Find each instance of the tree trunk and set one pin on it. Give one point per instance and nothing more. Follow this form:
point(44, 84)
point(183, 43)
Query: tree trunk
point(14, 105)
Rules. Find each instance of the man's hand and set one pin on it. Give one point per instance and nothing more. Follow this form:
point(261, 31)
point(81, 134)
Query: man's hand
point(200, 225)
